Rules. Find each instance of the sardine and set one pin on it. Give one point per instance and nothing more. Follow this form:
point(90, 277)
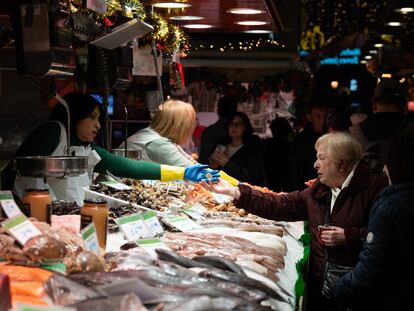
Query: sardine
point(221, 263)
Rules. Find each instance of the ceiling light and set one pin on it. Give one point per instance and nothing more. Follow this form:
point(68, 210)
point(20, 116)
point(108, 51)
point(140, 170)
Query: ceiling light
point(334, 84)
point(363, 61)
point(372, 51)
point(393, 24)
point(251, 23)
point(197, 26)
point(186, 18)
point(386, 75)
point(368, 57)
point(171, 5)
point(405, 10)
point(378, 45)
point(244, 11)
point(257, 31)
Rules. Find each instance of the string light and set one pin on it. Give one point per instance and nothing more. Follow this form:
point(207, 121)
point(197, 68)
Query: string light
point(241, 46)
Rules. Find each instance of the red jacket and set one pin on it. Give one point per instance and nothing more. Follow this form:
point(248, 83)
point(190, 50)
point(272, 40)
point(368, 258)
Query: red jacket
point(351, 212)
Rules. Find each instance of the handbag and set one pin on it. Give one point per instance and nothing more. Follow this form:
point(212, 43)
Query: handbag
point(333, 273)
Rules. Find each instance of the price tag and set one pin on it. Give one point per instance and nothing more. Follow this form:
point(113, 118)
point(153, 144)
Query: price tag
point(29, 307)
point(221, 198)
point(96, 5)
point(9, 206)
point(133, 227)
point(153, 223)
point(182, 223)
point(116, 185)
point(150, 245)
point(194, 212)
point(21, 228)
point(90, 239)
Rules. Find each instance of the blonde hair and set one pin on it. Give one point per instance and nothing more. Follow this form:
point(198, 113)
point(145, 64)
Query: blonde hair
point(175, 120)
point(341, 146)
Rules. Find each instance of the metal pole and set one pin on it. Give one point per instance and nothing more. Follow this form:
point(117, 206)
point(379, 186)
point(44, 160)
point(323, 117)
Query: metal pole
point(65, 104)
point(157, 71)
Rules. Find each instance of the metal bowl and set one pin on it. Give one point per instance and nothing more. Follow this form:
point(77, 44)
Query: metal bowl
point(44, 166)
point(131, 153)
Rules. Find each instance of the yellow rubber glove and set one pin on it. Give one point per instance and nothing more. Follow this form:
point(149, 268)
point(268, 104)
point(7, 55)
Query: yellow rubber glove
point(230, 179)
point(169, 172)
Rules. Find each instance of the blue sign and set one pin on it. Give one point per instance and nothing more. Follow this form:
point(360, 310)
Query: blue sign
point(346, 57)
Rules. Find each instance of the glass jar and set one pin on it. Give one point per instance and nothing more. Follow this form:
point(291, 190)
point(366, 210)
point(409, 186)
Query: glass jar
point(96, 211)
point(39, 204)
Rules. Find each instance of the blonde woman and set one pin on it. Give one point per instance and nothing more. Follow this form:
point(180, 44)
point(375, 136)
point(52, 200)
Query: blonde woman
point(170, 127)
point(341, 197)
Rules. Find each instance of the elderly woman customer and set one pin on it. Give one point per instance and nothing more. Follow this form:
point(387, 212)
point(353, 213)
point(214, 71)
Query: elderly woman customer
point(341, 196)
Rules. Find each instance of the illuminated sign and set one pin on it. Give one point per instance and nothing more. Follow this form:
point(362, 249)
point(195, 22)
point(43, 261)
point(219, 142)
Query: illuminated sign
point(346, 57)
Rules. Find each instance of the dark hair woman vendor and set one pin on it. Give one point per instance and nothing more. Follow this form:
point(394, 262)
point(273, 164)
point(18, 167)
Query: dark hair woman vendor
point(49, 139)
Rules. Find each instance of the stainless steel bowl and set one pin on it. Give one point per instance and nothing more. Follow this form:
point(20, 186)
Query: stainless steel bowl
point(44, 166)
point(131, 153)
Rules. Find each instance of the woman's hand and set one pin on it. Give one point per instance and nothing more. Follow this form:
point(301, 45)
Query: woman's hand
point(213, 163)
point(223, 187)
point(221, 158)
point(333, 237)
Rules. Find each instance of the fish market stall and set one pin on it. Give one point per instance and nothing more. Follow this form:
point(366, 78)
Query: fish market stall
point(170, 246)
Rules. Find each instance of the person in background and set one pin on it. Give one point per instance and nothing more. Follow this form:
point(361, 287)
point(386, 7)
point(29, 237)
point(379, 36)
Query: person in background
point(226, 108)
point(389, 103)
point(277, 155)
point(382, 278)
point(240, 153)
point(172, 125)
point(49, 139)
point(303, 154)
point(342, 197)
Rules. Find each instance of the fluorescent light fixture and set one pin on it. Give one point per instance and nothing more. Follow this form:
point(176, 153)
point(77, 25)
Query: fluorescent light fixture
point(386, 75)
point(373, 51)
point(363, 61)
point(393, 24)
point(171, 5)
point(378, 45)
point(405, 10)
point(198, 26)
point(257, 31)
point(186, 18)
point(251, 23)
point(244, 11)
point(368, 57)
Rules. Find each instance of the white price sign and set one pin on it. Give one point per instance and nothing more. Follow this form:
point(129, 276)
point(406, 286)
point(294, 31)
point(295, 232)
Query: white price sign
point(21, 228)
point(9, 206)
point(150, 245)
point(29, 307)
point(193, 212)
point(133, 227)
point(116, 185)
point(153, 223)
point(182, 223)
point(90, 239)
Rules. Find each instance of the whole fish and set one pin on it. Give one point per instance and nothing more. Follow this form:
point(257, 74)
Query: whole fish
point(128, 302)
point(241, 280)
point(178, 259)
point(221, 263)
point(64, 291)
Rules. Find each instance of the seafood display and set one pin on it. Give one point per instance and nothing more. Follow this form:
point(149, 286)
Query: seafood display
point(229, 247)
point(219, 258)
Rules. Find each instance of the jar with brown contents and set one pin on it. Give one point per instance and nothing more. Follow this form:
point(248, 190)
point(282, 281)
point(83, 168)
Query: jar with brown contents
point(38, 203)
point(96, 211)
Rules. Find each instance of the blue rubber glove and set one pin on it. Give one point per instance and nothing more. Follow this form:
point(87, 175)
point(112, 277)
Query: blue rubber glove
point(200, 172)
